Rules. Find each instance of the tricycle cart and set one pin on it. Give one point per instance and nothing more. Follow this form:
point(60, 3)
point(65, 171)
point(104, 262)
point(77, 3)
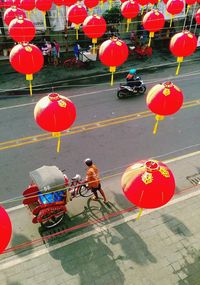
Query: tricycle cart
point(47, 195)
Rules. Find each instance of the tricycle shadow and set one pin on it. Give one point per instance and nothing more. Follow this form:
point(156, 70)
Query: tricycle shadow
point(93, 213)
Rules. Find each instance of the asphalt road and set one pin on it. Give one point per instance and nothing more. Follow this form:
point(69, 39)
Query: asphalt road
point(113, 144)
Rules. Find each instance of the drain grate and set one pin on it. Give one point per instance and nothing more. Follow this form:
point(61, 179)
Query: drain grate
point(194, 179)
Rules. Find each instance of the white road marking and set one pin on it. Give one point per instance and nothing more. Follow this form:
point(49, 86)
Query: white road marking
point(15, 260)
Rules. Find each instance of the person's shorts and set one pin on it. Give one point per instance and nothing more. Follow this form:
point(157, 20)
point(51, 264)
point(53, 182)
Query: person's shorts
point(96, 188)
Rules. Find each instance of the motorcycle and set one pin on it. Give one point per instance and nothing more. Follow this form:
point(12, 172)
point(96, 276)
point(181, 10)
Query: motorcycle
point(127, 91)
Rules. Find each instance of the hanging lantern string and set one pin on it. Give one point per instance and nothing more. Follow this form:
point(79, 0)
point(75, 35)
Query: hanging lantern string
point(139, 214)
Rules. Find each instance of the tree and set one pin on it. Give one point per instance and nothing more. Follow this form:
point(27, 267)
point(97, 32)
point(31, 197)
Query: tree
point(113, 16)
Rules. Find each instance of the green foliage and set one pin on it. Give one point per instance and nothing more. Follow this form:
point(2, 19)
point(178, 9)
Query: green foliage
point(113, 16)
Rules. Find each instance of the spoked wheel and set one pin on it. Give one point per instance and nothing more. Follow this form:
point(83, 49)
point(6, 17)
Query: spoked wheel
point(53, 222)
point(121, 94)
point(142, 90)
point(84, 191)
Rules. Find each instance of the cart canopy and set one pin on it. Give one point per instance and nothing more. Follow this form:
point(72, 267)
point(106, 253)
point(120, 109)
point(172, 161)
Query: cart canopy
point(48, 178)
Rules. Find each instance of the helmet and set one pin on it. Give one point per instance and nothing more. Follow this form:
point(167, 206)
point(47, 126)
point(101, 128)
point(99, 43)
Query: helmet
point(132, 71)
point(88, 161)
point(77, 177)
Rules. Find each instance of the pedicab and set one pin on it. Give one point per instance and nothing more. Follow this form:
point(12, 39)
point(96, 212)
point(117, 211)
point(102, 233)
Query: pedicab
point(49, 192)
point(47, 195)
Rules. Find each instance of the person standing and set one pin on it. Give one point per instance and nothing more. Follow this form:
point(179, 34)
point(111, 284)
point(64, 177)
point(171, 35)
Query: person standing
point(57, 45)
point(54, 54)
point(76, 50)
point(93, 180)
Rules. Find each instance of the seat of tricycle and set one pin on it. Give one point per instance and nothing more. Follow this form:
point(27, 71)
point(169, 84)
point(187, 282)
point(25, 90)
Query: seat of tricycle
point(49, 198)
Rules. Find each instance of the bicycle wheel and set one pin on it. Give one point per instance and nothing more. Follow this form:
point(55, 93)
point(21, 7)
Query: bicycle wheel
point(84, 191)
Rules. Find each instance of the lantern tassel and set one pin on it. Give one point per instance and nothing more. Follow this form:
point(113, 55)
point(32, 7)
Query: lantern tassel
point(139, 214)
point(188, 7)
point(158, 118)
point(57, 135)
point(142, 10)
point(110, 4)
point(94, 41)
point(44, 18)
point(76, 28)
point(172, 17)
point(29, 15)
point(128, 23)
point(112, 70)
point(58, 144)
point(58, 7)
point(151, 35)
point(29, 77)
point(179, 60)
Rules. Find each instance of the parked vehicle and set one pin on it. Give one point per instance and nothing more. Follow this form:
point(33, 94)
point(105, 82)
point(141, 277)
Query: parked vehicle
point(125, 90)
point(49, 193)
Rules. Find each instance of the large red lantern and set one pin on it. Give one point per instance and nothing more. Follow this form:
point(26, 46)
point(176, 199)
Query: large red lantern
point(148, 184)
point(112, 53)
point(77, 14)
point(129, 10)
point(153, 21)
point(43, 6)
point(164, 99)
point(174, 7)
point(5, 229)
point(197, 16)
point(182, 44)
point(55, 113)
point(26, 59)
point(21, 30)
point(12, 13)
point(94, 27)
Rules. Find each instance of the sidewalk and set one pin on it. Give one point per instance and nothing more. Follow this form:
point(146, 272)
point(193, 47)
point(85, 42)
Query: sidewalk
point(94, 73)
point(163, 247)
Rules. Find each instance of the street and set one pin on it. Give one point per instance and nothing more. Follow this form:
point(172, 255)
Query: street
point(126, 135)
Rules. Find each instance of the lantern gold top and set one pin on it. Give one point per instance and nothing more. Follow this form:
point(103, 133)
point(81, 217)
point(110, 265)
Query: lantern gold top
point(151, 165)
point(54, 97)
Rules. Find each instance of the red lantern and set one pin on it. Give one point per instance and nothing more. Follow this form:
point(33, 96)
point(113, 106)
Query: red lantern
point(163, 100)
point(21, 30)
point(55, 113)
point(143, 3)
point(94, 27)
point(1, 4)
point(69, 3)
point(153, 21)
point(153, 2)
point(148, 184)
point(12, 13)
point(5, 229)
point(43, 6)
point(129, 10)
point(27, 5)
point(90, 4)
point(197, 16)
point(77, 14)
point(26, 59)
point(182, 44)
point(174, 7)
point(189, 3)
point(113, 53)
point(7, 3)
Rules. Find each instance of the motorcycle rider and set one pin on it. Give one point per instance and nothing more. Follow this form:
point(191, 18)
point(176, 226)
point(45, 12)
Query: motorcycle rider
point(132, 79)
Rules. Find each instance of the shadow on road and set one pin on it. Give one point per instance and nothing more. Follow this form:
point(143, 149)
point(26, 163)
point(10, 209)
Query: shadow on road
point(176, 226)
point(19, 239)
